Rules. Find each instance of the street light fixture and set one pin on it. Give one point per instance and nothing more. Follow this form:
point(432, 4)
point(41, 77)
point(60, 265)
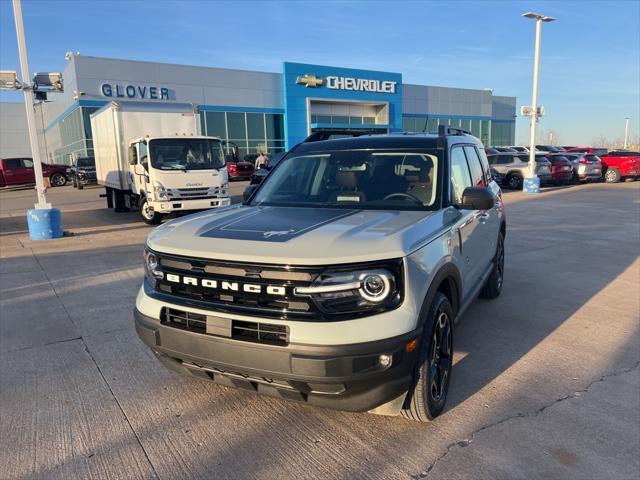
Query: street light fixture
point(532, 184)
point(9, 80)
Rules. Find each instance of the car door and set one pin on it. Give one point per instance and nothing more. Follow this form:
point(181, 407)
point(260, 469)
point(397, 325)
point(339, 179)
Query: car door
point(11, 169)
point(489, 220)
point(467, 227)
point(28, 173)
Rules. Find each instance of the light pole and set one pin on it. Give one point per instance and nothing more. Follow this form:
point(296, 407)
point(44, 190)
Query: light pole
point(532, 184)
point(626, 132)
point(43, 221)
point(28, 103)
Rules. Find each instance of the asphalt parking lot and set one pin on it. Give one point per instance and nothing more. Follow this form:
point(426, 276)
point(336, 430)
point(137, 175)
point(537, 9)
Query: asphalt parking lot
point(545, 384)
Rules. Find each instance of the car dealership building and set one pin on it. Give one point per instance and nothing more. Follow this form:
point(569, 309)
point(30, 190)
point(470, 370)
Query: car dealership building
point(262, 111)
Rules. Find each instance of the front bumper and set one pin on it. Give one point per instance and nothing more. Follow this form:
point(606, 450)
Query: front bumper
point(345, 377)
point(186, 204)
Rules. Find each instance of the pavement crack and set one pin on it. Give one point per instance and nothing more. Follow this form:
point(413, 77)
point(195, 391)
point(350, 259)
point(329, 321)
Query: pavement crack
point(104, 379)
point(41, 345)
point(469, 439)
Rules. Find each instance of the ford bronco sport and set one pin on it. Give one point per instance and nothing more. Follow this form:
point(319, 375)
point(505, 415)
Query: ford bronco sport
point(338, 282)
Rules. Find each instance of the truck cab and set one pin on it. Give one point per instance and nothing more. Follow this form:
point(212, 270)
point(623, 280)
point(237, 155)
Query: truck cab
point(177, 173)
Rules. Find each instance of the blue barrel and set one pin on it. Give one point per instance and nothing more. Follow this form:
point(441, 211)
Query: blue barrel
point(531, 185)
point(44, 224)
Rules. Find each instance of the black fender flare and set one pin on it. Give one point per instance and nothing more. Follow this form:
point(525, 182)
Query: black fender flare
point(450, 274)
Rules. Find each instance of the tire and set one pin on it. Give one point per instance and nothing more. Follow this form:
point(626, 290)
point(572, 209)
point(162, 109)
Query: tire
point(428, 394)
point(117, 200)
point(58, 180)
point(514, 181)
point(493, 286)
point(149, 216)
point(612, 175)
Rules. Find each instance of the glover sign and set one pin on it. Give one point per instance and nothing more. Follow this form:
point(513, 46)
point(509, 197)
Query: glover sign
point(134, 91)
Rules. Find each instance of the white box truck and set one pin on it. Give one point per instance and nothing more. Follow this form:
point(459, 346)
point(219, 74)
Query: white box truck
point(151, 157)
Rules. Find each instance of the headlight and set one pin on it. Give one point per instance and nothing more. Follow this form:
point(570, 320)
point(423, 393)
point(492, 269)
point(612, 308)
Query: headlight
point(151, 266)
point(357, 290)
point(160, 191)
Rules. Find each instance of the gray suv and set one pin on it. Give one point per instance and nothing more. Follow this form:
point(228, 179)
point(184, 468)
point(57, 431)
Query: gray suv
point(514, 168)
point(339, 281)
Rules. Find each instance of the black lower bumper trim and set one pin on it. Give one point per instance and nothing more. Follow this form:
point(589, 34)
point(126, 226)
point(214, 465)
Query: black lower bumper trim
point(345, 377)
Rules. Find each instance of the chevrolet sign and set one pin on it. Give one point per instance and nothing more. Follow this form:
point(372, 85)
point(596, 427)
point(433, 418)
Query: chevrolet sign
point(348, 83)
point(309, 81)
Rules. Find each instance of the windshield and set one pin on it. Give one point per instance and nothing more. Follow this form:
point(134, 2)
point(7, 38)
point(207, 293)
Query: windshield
point(363, 179)
point(86, 162)
point(186, 154)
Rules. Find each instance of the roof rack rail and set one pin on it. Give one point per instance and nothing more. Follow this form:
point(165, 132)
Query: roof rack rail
point(444, 130)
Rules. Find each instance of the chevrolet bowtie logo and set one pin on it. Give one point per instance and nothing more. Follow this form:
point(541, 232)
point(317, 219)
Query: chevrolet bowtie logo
point(310, 81)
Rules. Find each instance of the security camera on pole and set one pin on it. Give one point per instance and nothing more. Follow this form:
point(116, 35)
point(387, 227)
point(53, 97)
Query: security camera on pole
point(532, 183)
point(44, 222)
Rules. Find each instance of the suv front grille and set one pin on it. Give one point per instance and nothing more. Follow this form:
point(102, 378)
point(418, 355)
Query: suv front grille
point(256, 332)
point(253, 289)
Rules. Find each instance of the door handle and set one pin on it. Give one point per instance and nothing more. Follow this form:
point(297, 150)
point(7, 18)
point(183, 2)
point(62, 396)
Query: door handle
point(483, 217)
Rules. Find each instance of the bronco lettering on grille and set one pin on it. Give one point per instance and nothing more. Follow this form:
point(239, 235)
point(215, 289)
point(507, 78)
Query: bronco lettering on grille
point(227, 285)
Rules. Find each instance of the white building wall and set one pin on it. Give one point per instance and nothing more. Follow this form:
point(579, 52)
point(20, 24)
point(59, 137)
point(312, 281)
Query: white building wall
point(14, 132)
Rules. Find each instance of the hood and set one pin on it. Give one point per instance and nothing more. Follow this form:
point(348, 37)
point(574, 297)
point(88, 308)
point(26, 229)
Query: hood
point(296, 236)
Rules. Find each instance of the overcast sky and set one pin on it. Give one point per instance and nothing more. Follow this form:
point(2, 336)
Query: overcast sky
point(590, 66)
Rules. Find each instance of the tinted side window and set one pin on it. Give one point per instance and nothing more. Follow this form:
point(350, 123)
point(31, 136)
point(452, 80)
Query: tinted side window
point(504, 159)
point(27, 163)
point(484, 162)
point(492, 159)
point(477, 175)
point(13, 163)
point(460, 178)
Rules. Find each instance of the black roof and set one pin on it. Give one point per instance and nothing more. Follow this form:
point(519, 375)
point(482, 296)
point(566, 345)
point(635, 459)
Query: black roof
point(389, 141)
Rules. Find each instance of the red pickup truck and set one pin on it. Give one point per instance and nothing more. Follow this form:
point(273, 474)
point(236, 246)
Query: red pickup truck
point(620, 164)
point(19, 171)
point(616, 164)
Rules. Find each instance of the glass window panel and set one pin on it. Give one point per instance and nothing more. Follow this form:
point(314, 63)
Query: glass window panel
point(324, 118)
point(421, 125)
point(475, 128)
point(432, 125)
point(340, 119)
point(355, 120)
point(255, 126)
point(477, 174)
point(236, 125)
point(408, 124)
point(216, 124)
point(465, 125)
point(258, 146)
point(454, 122)
point(460, 178)
point(369, 120)
point(275, 146)
point(314, 119)
point(275, 125)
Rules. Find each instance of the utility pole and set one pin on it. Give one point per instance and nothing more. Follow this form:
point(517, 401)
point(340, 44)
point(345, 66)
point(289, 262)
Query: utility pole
point(28, 103)
point(626, 132)
point(532, 184)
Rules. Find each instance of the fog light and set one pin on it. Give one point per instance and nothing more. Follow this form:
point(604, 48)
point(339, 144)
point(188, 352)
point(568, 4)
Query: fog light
point(385, 360)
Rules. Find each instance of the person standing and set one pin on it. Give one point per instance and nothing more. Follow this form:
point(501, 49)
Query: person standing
point(261, 160)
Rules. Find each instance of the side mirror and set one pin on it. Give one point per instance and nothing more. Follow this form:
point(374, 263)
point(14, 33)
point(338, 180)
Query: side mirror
point(248, 192)
point(139, 169)
point(477, 198)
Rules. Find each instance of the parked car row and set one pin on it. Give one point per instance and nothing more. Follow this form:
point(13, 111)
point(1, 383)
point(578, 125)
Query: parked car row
point(560, 166)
